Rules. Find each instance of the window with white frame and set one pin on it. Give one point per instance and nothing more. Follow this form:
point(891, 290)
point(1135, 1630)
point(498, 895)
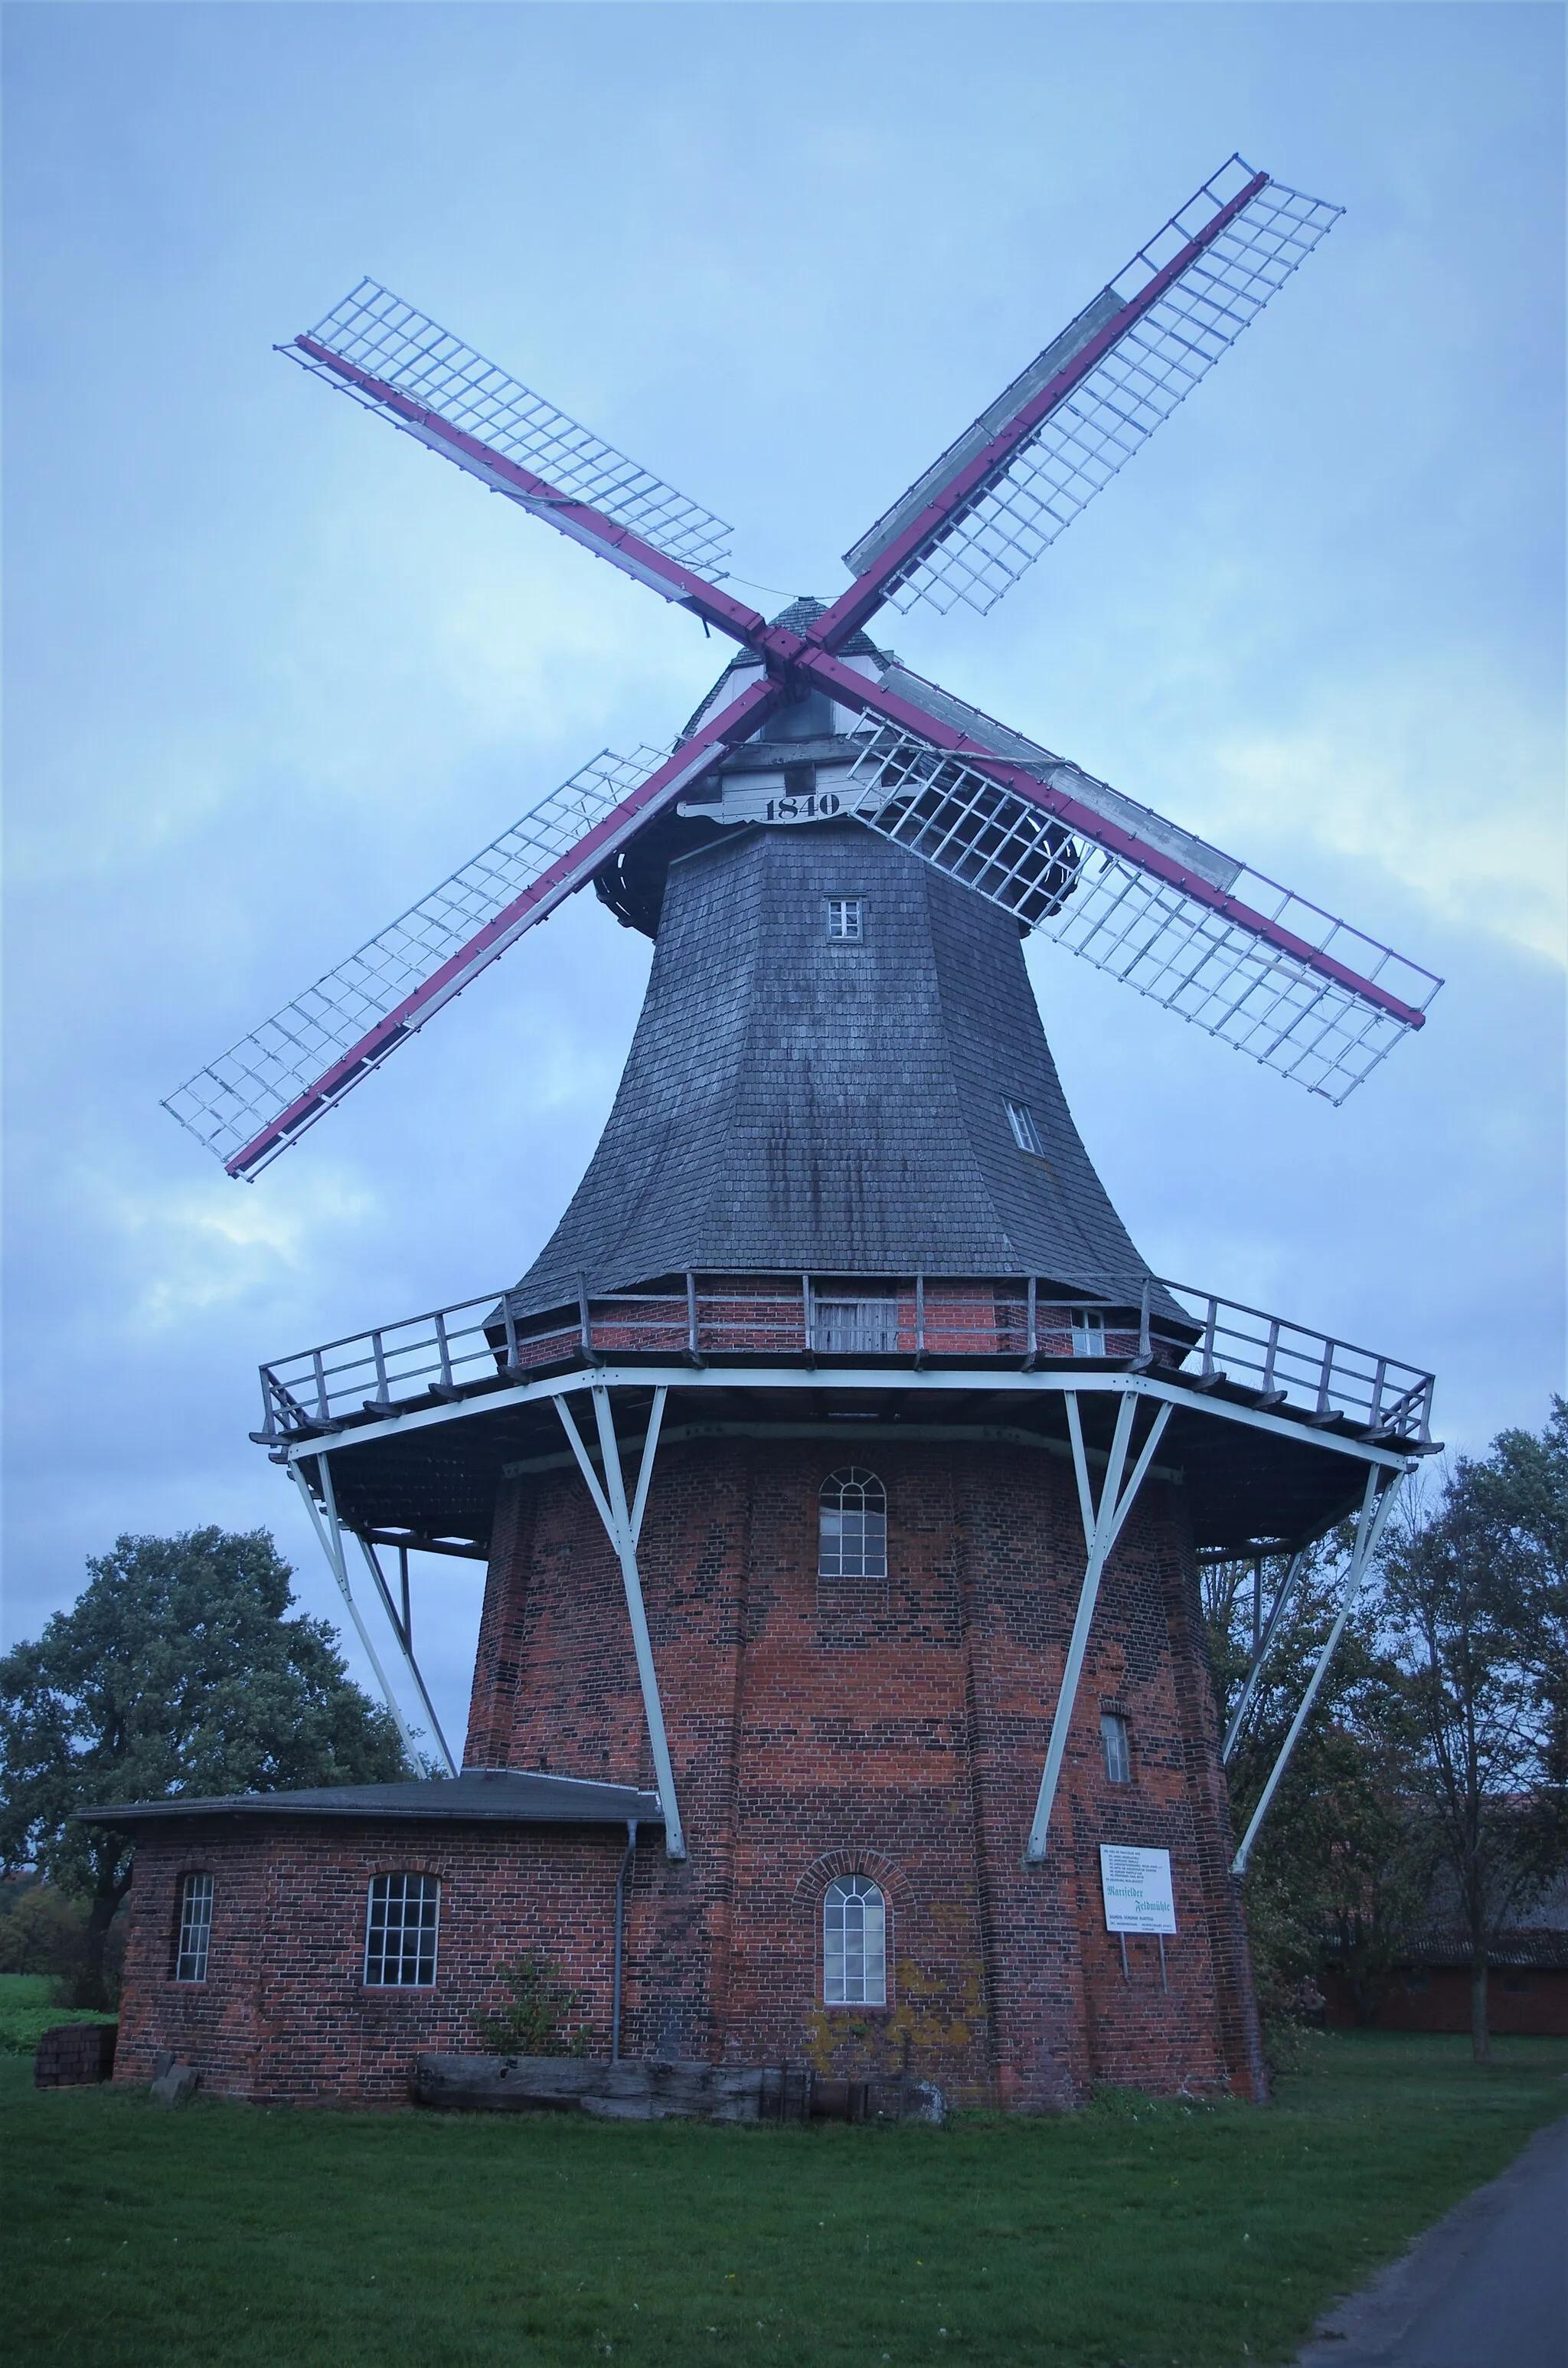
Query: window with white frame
point(1088, 1332)
point(845, 918)
point(854, 1943)
point(195, 1928)
point(400, 1932)
point(1117, 1748)
point(1026, 1134)
point(852, 1526)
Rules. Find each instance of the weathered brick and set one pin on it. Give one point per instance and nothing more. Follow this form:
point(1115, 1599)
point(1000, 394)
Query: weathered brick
point(901, 1740)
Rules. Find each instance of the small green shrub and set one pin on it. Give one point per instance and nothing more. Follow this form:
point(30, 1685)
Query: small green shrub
point(539, 2006)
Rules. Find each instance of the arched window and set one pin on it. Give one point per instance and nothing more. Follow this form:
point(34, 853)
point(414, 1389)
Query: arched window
point(852, 1535)
point(854, 1943)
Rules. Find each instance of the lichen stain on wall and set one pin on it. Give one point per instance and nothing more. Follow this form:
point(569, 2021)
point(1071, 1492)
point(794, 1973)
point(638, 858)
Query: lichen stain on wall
point(920, 2028)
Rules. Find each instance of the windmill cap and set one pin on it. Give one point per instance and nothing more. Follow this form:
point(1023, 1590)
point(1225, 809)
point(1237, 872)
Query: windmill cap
point(801, 612)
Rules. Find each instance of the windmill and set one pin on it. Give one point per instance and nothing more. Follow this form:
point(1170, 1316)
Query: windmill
point(840, 1212)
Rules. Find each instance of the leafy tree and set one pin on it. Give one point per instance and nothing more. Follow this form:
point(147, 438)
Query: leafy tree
point(1474, 1590)
point(43, 1933)
point(178, 1669)
point(1337, 1871)
point(1523, 1486)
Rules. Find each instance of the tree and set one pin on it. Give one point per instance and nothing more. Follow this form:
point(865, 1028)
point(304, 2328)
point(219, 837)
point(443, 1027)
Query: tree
point(1474, 1590)
point(1524, 1485)
point(43, 1932)
point(1337, 1871)
point(178, 1669)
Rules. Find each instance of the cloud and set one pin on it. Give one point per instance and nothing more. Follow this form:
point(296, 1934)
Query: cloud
point(1447, 781)
point(208, 1245)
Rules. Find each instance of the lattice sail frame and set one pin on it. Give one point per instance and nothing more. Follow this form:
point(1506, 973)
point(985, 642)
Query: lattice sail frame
point(406, 349)
point(1142, 930)
point(226, 1104)
point(1098, 425)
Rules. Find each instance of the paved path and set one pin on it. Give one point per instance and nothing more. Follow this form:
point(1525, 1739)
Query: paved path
point(1486, 2288)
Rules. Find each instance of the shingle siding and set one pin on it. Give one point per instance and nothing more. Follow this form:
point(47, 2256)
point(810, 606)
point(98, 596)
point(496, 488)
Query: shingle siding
point(794, 1103)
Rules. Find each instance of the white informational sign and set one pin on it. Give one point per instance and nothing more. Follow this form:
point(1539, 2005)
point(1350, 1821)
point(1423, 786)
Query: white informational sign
point(1137, 1887)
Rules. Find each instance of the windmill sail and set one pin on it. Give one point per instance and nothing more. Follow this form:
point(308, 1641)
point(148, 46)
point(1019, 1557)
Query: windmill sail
point(301, 1060)
point(1249, 962)
point(999, 496)
point(387, 344)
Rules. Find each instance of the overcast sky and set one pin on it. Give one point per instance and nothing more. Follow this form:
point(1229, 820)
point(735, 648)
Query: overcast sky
point(273, 670)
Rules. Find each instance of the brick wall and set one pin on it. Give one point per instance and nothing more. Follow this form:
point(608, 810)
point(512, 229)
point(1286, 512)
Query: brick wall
point(285, 2014)
point(1525, 2000)
point(898, 1733)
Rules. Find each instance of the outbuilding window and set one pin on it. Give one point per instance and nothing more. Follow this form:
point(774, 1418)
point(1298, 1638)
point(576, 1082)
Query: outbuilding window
point(854, 1943)
point(195, 1928)
point(400, 1932)
point(852, 1526)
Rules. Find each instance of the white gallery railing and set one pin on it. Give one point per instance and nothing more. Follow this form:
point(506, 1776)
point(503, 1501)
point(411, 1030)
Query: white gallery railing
point(482, 1343)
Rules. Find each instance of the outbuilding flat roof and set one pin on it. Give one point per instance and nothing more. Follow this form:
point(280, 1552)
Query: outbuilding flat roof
point(486, 1795)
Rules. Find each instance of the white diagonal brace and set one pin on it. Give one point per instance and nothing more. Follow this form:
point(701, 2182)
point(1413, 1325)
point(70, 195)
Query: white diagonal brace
point(1282, 1602)
point(1101, 1530)
point(329, 1535)
point(623, 1525)
point(407, 1649)
point(645, 1468)
point(1374, 1513)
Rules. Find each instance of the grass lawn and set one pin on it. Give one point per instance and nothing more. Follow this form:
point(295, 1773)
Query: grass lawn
point(1136, 2232)
point(25, 2012)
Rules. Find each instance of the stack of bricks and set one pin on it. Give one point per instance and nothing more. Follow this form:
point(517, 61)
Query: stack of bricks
point(74, 2055)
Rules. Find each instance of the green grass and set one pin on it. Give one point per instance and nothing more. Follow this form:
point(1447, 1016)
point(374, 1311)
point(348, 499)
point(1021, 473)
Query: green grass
point(25, 2012)
point(1135, 2232)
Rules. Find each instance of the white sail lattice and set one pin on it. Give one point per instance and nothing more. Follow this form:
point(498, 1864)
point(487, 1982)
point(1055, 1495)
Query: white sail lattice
point(1098, 425)
point(405, 348)
point(226, 1104)
point(1146, 930)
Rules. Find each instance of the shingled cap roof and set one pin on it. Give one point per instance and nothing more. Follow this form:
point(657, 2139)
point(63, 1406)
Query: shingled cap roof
point(800, 614)
point(480, 1795)
point(794, 1104)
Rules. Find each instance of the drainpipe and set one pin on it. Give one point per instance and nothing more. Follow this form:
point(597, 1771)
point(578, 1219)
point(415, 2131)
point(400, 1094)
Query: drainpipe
point(619, 1937)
